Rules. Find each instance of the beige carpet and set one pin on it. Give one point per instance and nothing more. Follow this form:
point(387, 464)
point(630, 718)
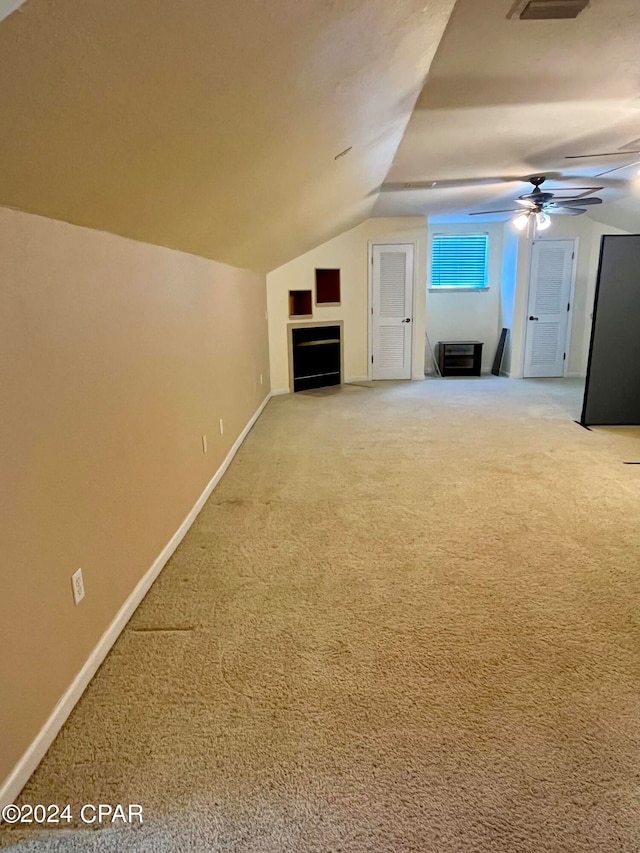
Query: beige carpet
point(408, 619)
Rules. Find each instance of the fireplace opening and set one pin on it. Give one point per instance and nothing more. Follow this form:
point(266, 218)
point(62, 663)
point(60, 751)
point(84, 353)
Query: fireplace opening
point(316, 356)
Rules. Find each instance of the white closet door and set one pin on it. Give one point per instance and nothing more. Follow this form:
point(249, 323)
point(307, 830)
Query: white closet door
point(392, 310)
point(548, 307)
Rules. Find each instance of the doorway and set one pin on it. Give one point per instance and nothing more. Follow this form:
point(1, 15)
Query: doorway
point(551, 280)
point(392, 267)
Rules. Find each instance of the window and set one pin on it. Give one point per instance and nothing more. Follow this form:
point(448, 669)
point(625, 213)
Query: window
point(459, 260)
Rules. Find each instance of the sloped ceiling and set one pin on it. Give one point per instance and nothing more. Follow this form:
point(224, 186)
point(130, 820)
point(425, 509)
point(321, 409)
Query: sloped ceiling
point(210, 126)
point(506, 99)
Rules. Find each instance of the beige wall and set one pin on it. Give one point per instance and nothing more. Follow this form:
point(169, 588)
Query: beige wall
point(349, 252)
point(116, 358)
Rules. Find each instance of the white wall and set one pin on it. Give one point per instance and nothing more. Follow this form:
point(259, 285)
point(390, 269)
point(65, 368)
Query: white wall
point(481, 315)
point(508, 290)
point(588, 234)
point(350, 253)
point(447, 315)
point(599, 229)
point(468, 315)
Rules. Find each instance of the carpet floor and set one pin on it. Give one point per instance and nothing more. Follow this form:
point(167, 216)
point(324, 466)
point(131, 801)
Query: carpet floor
point(408, 619)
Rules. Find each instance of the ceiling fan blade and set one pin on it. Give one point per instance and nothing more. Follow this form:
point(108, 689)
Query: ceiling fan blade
point(525, 202)
point(573, 189)
point(618, 168)
point(606, 154)
point(484, 212)
point(581, 202)
point(535, 197)
point(569, 211)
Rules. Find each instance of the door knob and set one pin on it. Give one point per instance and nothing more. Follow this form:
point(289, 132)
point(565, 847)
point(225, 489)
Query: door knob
point(532, 317)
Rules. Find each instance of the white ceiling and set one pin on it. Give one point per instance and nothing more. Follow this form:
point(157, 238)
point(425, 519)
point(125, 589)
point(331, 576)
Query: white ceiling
point(209, 126)
point(510, 98)
point(213, 127)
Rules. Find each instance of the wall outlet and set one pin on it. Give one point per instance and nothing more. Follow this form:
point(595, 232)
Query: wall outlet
point(221, 427)
point(204, 443)
point(77, 584)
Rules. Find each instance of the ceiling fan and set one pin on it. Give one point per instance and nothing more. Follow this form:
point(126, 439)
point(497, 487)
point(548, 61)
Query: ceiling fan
point(538, 205)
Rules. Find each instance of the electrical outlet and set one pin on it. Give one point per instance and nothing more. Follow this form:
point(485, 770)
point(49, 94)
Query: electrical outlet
point(221, 427)
point(77, 584)
point(204, 443)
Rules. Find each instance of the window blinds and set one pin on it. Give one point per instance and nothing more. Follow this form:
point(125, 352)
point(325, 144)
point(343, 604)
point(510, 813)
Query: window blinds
point(459, 260)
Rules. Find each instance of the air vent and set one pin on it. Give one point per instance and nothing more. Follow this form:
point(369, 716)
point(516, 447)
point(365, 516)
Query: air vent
point(552, 10)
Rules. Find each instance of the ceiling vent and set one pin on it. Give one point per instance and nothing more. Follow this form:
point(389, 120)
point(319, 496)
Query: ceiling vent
point(552, 10)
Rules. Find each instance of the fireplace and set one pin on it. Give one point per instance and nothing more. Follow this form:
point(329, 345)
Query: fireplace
point(316, 355)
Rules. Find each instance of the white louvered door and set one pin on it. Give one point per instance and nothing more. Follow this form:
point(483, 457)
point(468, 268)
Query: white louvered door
point(548, 307)
point(392, 310)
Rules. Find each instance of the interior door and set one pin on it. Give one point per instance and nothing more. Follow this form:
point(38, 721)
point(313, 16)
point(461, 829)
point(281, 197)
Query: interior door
point(392, 310)
point(548, 307)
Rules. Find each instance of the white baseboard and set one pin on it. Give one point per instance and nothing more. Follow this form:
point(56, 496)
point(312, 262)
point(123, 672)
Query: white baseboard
point(18, 777)
point(279, 391)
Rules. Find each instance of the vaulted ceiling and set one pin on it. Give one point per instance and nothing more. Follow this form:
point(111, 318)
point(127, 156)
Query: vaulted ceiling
point(507, 98)
point(209, 126)
point(213, 126)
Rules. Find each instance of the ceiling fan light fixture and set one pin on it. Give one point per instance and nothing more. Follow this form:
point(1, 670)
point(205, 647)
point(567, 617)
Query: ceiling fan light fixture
point(539, 204)
point(543, 221)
